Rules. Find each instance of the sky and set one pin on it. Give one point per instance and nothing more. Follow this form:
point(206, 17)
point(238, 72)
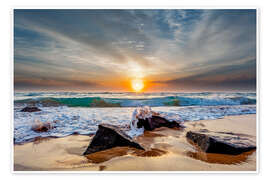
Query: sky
point(105, 50)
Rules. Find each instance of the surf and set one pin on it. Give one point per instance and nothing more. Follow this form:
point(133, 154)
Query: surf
point(135, 102)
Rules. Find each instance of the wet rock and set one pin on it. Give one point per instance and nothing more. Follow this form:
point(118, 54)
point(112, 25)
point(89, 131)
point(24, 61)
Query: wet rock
point(109, 136)
point(144, 118)
point(42, 126)
point(154, 122)
point(30, 109)
point(221, 142)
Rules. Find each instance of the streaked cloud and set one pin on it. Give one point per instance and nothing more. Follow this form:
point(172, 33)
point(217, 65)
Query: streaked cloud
point(101, 48)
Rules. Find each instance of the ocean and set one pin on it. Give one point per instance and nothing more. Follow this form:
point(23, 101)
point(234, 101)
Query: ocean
point(81, 112)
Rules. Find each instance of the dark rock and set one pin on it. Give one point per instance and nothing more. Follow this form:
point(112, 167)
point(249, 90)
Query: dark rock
point(30, 109)
point(75, 133)
point(223, 143)
point(42, 126)
point(157, 122)
point(109, 136)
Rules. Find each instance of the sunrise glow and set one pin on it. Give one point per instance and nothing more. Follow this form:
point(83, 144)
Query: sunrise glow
point(137, 85)
point(135, 50)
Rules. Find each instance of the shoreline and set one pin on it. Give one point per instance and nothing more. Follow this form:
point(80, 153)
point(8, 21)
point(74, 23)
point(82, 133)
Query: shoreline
point(85, 120)
point(167, 150)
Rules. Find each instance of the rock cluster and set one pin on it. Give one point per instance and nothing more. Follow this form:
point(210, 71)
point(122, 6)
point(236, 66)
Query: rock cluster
point(109, 136)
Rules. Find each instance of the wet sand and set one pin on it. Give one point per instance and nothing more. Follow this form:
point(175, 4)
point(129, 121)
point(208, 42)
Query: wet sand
point(166, 150)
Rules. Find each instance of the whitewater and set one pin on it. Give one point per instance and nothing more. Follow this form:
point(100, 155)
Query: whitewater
point(81, 112)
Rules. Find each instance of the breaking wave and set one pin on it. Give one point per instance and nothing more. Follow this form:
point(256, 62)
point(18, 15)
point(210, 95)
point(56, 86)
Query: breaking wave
point(125, 102)
point(80, 113)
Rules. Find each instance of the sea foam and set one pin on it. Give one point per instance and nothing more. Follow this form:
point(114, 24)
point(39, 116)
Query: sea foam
point(67, 120)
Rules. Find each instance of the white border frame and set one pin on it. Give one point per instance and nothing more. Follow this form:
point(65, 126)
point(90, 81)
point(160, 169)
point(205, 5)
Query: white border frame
point(258, 25)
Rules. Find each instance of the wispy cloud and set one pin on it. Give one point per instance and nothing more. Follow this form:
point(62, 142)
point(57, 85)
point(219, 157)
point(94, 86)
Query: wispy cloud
point(93, 47)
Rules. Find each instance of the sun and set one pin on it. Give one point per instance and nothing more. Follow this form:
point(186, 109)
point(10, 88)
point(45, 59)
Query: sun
point(137, 85)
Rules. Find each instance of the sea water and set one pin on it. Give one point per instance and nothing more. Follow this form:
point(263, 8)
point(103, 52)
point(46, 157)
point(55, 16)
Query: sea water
point(81, 112)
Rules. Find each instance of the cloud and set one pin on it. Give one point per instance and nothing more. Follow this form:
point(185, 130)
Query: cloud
point(53, 84)
point(104, 45)
point(241, 77)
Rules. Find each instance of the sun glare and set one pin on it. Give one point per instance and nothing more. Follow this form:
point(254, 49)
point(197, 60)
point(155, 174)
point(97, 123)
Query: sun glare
point(137, 85)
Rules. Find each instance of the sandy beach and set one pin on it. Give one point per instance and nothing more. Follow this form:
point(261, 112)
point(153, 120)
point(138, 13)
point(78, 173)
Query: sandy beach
point(166, 150)
point(134, 90)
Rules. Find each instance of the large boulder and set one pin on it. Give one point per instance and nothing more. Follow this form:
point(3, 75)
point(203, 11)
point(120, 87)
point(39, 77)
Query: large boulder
point(30, 109)
point(221, 142)
point(154, 122)
point(109, 136)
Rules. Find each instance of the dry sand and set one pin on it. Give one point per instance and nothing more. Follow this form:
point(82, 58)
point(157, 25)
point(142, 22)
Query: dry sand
point(167, 150)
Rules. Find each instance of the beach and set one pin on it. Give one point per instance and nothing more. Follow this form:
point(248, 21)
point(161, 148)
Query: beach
point(166, 150)
point(134, 90)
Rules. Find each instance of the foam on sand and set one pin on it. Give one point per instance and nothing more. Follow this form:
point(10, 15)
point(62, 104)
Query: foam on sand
point(70, 120)
point(166, 150)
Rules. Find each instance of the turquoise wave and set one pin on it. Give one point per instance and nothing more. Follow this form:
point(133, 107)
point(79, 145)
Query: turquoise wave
point(123, 102)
